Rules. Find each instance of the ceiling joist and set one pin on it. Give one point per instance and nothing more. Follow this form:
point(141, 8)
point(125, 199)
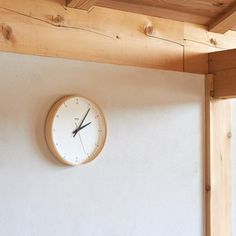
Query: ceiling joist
point(225, 22)
point(219, 16)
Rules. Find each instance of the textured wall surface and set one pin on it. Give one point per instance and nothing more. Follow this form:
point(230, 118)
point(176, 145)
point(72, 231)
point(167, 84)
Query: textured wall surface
point(148, 179)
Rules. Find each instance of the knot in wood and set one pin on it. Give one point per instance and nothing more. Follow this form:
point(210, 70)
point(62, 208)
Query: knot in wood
point(229, 135)
point(148, 29)
point(7, 32)
point(213, 41)
point(57, 19)
point(218, 4)
point(208, 188)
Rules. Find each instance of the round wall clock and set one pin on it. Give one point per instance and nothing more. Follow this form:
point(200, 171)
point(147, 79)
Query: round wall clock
point(75, 130)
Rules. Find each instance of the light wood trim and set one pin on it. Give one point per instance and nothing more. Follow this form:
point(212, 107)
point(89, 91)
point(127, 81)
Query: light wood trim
point(218, 164)
point(225, 22)
point(208, 91)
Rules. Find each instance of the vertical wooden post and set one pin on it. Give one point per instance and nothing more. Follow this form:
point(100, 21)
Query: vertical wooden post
point(218, 163)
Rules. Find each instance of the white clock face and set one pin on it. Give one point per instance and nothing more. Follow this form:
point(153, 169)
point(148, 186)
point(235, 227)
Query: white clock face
point(75, 130)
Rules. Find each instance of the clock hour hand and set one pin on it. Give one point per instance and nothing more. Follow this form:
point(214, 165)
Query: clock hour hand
point(77, 129)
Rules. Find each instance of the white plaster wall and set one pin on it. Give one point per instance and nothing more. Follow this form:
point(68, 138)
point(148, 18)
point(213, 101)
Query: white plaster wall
point(146, 182)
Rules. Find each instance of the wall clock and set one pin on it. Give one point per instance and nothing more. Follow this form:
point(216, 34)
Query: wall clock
point(75, 130)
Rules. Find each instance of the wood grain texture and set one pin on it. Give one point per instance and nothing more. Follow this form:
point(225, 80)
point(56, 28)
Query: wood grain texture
point(223, 60)
point(195, 11)
point(225, 84)
point(48, 28)
point(152, 10)
point(218, 164)
point(215, 42)
point(224, 22)
point(81, 4)
point(223, 66)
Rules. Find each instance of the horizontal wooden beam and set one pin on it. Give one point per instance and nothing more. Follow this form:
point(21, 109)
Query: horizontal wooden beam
point(225, 22)
point(225, 84)
point(222, 60)
point(223, 66)
point(48, 28)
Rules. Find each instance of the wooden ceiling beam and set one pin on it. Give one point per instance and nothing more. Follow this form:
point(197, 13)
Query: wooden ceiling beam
point(48, 28)
point(225, 22)
point(225, 84)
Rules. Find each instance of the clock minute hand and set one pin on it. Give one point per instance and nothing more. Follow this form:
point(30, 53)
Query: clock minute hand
point(77, 130)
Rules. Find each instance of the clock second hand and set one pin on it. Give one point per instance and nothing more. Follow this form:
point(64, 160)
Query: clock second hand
point(83, 145)
point(82, 141)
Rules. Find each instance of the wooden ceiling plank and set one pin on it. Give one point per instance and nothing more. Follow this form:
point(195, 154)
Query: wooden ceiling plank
point(81, 4)
point(154, 11)
point(196, 7)
point(194, 11)
point(225, 22)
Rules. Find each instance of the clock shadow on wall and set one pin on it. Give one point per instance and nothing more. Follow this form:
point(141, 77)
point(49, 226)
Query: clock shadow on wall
point(39, 135)
point(74, 131)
